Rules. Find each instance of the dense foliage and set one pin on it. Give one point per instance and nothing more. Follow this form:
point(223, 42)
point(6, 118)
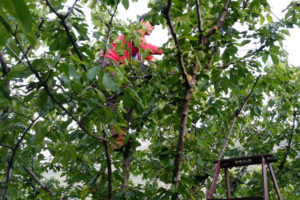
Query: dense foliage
point(224, 72)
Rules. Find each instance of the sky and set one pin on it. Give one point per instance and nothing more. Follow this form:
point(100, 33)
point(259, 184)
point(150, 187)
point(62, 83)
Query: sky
point(159, 36)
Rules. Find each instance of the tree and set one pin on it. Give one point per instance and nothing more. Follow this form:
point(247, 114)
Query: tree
point(224, 88)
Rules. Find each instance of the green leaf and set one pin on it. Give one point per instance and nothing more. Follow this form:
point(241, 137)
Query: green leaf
point(19, 71)
point(92, 73)
point(19, 10)
point(73, 73)
point(5, 24)
point(246, 42)
point(4, 35)
point(75, 58)
point(275, 59)
point(125, 4)
point(109, 82)
point(269, 18)
point(265, 56)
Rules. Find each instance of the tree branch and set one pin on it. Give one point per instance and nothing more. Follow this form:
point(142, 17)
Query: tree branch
point(246, 56)
point(24, 133)
point(266, 43)
point(70, 9)
point(199, 15)
point(7, 146)
point(166, 12)
point(63, 22)
point(236, 114)
point(220, 22)
point(126, 166)
point(53, 97)
point(281, 166)
point(10, 164)
point(34, 176)
point(36, 36)
point(112, 15)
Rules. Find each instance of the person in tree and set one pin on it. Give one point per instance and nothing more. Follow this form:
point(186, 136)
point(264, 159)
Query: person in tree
point(132, 51)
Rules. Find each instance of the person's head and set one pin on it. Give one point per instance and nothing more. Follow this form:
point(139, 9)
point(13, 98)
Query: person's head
point(148, 26)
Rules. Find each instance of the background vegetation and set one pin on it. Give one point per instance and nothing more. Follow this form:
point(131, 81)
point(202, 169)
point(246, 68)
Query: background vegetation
point(224, 88)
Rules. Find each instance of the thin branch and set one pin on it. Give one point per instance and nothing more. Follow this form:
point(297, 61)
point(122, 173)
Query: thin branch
point(7, 146)
point(108, 32)
point(215, 50)
point(36, 36)
point(52, 95)
point(34, 176)
point(236, 114)
point(53, 10)
point(67, 30)
point(266, 43)
point(281, 166)
point(220, 22)
point(24, 133)
point(246, 56)
point(84, 164)
point(166, 12)
point(70, 10)
point(51, 71)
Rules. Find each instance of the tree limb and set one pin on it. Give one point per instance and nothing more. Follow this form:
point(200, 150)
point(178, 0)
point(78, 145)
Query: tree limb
point(199, 15)
point(281, 166)
point(220, 23)
point(34, 176)
point(67, 30)
point(166, 12)
point(236, 114)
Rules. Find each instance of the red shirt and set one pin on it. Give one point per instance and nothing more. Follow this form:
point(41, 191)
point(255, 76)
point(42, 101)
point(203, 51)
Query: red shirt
point(131, 50)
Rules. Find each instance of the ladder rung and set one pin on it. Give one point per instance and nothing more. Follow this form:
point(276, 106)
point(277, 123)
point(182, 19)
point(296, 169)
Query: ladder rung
point(241, 198)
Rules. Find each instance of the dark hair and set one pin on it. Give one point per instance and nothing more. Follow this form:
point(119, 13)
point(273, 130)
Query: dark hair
point(143, 16)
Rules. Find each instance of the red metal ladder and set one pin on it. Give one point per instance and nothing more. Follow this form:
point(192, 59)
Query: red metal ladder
point(264, 160)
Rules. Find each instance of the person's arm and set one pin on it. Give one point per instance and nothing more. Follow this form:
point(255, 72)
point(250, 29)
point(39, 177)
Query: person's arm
point(153, 49)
